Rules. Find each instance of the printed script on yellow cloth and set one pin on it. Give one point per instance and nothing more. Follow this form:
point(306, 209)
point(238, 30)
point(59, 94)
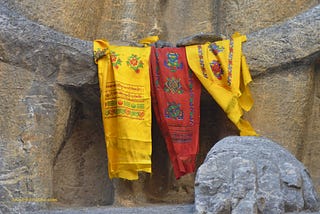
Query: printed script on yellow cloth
point(126, 107)
point(222, 69)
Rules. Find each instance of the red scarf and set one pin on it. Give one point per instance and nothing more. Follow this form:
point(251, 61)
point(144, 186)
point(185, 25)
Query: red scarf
point(176, 103)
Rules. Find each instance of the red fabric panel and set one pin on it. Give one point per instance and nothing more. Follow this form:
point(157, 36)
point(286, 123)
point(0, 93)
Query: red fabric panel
point(176, 103)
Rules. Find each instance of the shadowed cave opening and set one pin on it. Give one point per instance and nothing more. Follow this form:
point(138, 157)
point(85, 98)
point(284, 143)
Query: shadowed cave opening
point(80, 170)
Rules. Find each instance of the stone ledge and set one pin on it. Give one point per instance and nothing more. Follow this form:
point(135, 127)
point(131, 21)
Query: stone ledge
point(170, 209)
point(174, 209)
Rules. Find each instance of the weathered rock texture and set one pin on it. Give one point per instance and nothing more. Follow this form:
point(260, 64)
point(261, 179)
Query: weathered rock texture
point(311, 144)
point(249, 16)
point(253, 175)
point(49, 95)
point(80, 168)
point(131, 20)
point(38, 118)
point(290, 111)
point(77, 18)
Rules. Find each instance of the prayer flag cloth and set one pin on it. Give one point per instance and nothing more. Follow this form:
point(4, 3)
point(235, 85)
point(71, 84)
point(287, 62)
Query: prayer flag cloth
point(126, 107)
point(222, 69)
point(176, 103)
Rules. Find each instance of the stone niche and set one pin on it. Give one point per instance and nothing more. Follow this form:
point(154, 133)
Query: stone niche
point(51, 136)
point(80, 176)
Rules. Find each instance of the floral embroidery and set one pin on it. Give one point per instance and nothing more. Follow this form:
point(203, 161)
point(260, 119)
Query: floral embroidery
point(173, 85)
point(124, 103)
point(174, 111)
point(230, 62)
point(127, 102)
point(124, 112)
point(173, 62)
point(135, 63)
point(99, 53)
point(216, 69)
point(191, 100)
point(115, 60)
point(124, 108)
point(216, 49)
point(203, 69)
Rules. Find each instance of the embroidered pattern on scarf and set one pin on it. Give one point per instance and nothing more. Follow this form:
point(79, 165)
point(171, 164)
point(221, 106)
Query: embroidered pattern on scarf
point(176, 103)
point(126, 107)
point(226, 78)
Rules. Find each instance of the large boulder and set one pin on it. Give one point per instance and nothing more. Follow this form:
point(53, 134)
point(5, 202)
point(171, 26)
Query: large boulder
point(253, 175)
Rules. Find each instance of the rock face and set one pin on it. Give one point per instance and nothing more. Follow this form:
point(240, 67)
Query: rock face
point(253, 175)
point(51, 143)
point(80, 169)
point(38, 121)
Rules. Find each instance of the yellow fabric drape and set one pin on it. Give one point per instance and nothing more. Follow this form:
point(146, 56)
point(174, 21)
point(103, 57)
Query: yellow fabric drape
point(126, 106)
point(222, 69)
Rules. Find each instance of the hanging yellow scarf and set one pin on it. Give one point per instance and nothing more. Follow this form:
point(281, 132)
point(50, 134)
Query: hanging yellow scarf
point(126, 106)
point(222, 69)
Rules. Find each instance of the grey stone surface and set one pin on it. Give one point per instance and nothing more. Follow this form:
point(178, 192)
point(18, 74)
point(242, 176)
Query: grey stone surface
point(155, 209)
point(80, 176)
point(198, 39)
point(38, 115)
point(294, 42)
point(253, 175)
point(282, 116)
point(77, 18)
point(312, 146)
point(247, 16)
point(34, 47)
